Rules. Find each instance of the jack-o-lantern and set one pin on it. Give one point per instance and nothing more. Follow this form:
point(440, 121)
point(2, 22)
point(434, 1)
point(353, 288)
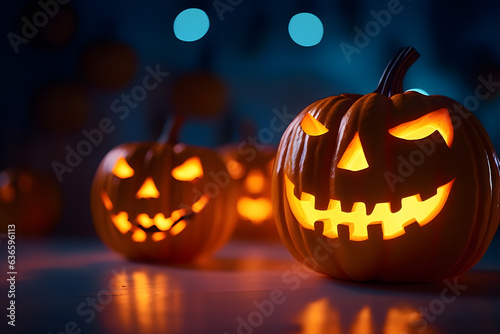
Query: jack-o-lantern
point(251, 170)
point(29, 199)
point(392, 186)
point(162, 201)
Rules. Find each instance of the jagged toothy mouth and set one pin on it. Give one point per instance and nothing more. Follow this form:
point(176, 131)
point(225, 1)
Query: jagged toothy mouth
point(158, 226)
point(393, 224)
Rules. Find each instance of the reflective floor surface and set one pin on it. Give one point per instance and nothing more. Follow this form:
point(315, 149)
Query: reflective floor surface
point(80, 286)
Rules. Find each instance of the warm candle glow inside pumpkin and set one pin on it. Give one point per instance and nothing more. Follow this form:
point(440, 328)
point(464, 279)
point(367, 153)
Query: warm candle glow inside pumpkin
point(235, 169)
point(255, 181)
point(189, 170)
point(312, 126)
point(354, 158)
point(122, 169)
point(424, 126)
point(393, 224)
point(255, 210)
point(148, 189)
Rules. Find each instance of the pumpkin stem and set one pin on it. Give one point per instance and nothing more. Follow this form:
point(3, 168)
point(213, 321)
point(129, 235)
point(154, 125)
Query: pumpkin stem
point(171, 129)
point(391, 82)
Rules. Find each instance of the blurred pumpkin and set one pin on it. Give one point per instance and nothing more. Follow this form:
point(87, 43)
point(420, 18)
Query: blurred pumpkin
point(109, 65)
point(252, 178)
point(399, 186)
point(30, 199)
point(163, 201)
point(199, 94)
point(61, 107)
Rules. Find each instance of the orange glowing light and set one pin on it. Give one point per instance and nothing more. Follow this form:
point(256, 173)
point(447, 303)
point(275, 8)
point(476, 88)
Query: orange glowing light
point(363, 324)
point(399, 320)
point(144, 220)
point(393, 224)
point(255, 210)
point(122, 169)
point(158, 236)
point(121, 222)
point(235, 169)
point(354, 158)
point(255, 181)
point(424, 126)
point(178, 228)
point(312, 126)
point(199, 204)
point(189, 170)
point(319, 317)
point(139, 236)
point(163, 223)
point(106, 201)
point(148, 189)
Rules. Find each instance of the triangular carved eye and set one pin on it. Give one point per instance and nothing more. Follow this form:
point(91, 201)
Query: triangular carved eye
point(189, 170)
point(354, 158)
point(424, 126)
point(122, 169)
point(312, 126)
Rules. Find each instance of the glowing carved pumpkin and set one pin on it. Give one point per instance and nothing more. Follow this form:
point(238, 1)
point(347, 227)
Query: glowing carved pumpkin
point(252, 177)
point(162, 201)
point(403, 187)
point(29, 199)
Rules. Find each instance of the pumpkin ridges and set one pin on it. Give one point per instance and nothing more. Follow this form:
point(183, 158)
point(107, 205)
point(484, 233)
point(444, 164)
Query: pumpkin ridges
point(277, 198)
point(455, 237)
point(304, 238)
point(287, 231)
point(483, 227)
point(174, 249)
point(483, 234)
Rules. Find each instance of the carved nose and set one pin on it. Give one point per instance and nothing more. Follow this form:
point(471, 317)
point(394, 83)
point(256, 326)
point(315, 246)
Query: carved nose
point(148, 190)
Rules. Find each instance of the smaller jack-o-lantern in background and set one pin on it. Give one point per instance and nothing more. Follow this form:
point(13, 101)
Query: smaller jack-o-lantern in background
point(251, 169)
point(29, 199)
point(163, 201)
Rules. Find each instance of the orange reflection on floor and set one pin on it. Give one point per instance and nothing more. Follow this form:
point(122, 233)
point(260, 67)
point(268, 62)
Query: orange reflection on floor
point(320, 317)
point(363, 324)
point(147, 304)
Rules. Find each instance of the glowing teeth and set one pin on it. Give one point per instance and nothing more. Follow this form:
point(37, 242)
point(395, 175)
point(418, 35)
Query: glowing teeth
point(163, 224)
point(172, 225)
point(393, 224)
point(121, 222)
point(175, 225)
